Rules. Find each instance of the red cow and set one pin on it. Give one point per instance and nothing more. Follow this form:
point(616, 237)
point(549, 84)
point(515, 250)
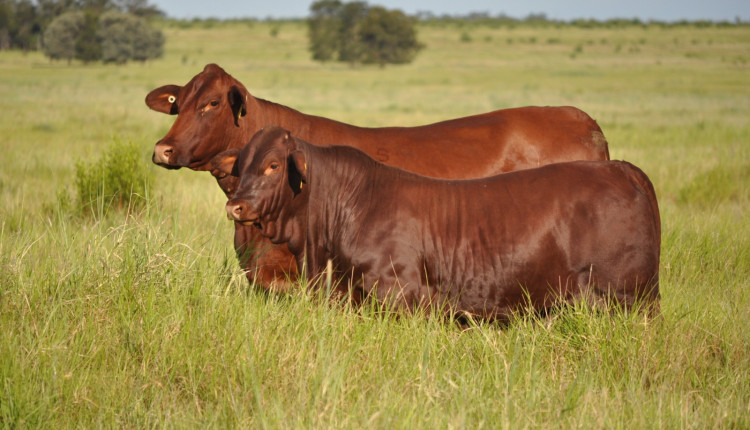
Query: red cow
point(486, 247)
point(215, 113)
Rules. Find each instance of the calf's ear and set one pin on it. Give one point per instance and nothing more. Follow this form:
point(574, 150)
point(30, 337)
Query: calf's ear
point(236, 100)
point(224, 163)
point(164, 99)
point(297, 171)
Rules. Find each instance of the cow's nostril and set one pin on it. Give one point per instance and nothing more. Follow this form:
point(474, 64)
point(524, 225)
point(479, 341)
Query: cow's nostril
point(234, 211)
point(162, 154)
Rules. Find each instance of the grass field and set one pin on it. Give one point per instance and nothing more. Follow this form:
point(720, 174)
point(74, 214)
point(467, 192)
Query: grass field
point(143, 318)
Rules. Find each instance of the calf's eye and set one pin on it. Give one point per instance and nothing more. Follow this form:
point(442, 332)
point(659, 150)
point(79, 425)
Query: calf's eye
point(214, 103)
point(271, 167)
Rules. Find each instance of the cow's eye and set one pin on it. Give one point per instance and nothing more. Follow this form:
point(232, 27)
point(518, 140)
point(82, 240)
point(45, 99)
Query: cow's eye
point(271, 168)
point(214, 103)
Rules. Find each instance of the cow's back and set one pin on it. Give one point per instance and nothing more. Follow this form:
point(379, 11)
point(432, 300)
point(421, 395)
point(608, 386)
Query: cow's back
point(471, 147)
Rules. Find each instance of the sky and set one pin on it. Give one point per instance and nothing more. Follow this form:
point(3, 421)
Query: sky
point(645, 10)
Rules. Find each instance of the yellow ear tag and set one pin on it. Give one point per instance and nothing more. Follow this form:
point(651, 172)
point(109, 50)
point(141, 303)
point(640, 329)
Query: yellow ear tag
point(302, 182)
point(171, 99)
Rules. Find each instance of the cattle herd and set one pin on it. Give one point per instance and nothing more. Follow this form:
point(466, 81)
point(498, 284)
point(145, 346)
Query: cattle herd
point(484, 215)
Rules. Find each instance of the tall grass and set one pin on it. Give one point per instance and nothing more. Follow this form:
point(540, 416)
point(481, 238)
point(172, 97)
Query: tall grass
point(118, 179)
point(142, 318)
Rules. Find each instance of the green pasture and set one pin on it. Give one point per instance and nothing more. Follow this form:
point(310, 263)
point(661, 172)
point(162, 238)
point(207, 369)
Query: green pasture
point(141, 318)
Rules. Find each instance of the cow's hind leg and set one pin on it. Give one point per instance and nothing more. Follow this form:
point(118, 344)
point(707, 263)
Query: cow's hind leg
point(589, 290)
point(603, 294)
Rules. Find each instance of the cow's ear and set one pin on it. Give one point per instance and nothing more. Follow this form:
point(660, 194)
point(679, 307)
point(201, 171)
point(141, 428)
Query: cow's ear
point(164, 99)
point(236, 98)
point(224, 163)
point(297, 171)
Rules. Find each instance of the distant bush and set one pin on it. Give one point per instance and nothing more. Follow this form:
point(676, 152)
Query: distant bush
point(119, 179)
point(275, 29)
point(356, 33)
point(112, 36)
point(388, 37)
point(62, 34)
point(23, 23)
point(87, 46)
point(126, 37)
point(20, 25)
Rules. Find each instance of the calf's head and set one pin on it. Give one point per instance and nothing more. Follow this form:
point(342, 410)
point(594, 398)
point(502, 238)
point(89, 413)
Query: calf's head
point(272, 171)
point(208, 109)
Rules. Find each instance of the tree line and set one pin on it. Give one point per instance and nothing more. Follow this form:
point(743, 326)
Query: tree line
point(87, 30)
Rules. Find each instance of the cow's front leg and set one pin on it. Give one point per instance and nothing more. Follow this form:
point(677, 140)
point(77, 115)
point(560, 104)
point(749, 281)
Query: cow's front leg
point(272, 267)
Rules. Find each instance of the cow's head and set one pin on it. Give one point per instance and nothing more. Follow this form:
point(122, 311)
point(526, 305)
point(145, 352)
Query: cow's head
point(272, 171)
point(209, 109)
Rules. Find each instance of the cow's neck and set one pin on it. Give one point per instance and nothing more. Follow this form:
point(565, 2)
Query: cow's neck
point(292, 223)
point(339, 194)
point(263, 113)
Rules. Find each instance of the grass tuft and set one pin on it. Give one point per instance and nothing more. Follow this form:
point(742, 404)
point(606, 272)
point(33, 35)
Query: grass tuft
point(119, 179)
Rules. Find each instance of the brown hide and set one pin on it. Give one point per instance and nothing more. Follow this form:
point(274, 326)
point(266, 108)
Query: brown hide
point(215, 112)
point(487, 247)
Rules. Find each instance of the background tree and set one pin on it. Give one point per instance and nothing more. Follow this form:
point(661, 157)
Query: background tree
point(19, 25)
point(388, 37)
point(7, 20)
point(352, 15)
point(98, 6)
point(61, 35)
point(324, 27)
point(148, 42)
point(87, 45)
point(125, 37)
point(48, 10)
point(355, 33)
point(27, 28)
point(24, 22)
point(117, 36)
point(140, 8)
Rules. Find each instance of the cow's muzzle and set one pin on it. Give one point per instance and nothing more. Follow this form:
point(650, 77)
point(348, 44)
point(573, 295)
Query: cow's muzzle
point(239, 211)
point(162, 155)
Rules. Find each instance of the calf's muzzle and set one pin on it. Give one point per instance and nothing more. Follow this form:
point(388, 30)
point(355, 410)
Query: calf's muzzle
point(239, 211)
